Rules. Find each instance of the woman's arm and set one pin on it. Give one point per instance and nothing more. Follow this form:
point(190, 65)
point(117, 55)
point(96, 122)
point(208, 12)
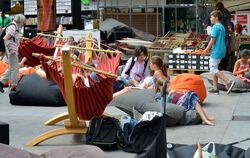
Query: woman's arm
point(236, 67)
point(10, 32)
point(209, 46)
point(128, 63)
point(24, 59)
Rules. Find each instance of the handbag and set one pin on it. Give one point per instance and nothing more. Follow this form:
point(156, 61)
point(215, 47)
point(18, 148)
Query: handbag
point(205, 153)
point(104, 132)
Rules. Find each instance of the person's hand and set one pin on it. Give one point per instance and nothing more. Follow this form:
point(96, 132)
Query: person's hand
point(246, 69)
point(145, 86)
point(205, 52)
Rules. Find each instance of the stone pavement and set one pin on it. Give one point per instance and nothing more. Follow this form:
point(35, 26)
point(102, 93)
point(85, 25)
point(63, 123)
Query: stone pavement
point(232, 114)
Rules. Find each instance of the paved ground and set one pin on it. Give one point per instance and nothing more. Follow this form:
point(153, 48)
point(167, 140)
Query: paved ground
point(26, 122)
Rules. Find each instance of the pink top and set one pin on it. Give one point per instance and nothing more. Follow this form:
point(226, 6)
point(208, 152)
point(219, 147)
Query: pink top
point(137, 69)
point(242, 67)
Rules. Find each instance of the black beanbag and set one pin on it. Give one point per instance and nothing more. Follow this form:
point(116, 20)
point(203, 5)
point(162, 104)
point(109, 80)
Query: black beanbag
point(34, 91)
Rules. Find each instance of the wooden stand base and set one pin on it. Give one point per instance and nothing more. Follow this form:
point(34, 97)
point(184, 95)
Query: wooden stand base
point(57, 118)
point(54, 133)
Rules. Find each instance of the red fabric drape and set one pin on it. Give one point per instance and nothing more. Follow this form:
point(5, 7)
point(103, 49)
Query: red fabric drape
point(109, 63)
point(46, 15)
point(35, 45)
point(89, 101)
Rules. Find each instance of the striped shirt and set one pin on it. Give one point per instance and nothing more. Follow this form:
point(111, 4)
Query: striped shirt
point(13, 43)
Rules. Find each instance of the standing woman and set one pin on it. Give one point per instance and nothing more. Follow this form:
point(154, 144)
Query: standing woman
point(225, 21)
point(11, 41)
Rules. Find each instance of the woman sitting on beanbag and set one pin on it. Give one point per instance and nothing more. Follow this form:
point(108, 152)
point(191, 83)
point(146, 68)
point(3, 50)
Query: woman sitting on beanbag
point(241, 66)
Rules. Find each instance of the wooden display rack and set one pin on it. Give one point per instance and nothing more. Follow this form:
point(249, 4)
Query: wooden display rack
point(72, 125)
point(242, 40)
point(172, 71)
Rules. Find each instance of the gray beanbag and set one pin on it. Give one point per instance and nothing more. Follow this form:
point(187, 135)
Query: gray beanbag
point(143, 100)
point(240, 86)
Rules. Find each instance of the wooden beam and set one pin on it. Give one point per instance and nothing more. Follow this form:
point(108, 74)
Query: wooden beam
point(80, 66)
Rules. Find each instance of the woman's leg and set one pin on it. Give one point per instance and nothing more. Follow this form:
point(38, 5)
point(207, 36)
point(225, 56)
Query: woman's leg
point(204, 117)
point(220, 75)
point(215, 82)
point(14, 68)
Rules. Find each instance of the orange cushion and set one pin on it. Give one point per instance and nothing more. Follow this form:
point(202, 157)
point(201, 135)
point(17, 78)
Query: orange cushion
point(3, 67)
point(190, 82)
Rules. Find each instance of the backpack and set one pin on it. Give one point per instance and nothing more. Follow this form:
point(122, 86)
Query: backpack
point(133, 63)
point(104, 132)
point(3, 33)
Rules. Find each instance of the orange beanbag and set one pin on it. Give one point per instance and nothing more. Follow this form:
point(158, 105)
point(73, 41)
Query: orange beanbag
point(3, 67)
point(22, 71)
point(190, 82)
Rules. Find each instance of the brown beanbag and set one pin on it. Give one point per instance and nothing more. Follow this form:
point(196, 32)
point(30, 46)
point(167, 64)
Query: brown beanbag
point(80, 151)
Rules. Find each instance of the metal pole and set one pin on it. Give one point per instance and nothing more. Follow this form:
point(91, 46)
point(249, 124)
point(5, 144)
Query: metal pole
point(117, 4)
point(98, 11)
point(3, 16)
point(146, 15)
point(175, 17)
point(197, 16)
point(130, 13)
point(163, 17)
point(157, 18)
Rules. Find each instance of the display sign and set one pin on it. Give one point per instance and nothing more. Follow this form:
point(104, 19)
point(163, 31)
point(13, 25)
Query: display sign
point(85, 2)
point(244, 20)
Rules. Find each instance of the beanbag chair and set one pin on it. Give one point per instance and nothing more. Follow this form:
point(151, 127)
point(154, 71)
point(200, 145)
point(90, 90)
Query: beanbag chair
point(3, 67)
point(240, 86)
point(79, 151)
point(143, 100)
point(33, 90)
point(191, 82)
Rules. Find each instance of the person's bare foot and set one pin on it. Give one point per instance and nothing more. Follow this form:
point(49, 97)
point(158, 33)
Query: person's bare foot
point(210, 118)
point(207, 122)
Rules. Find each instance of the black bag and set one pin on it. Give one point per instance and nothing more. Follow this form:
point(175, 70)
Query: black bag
point(221, 150)
point(3, 33)
point(148, 138)
point(118, 85)
point(104, 132)
point(187, 151)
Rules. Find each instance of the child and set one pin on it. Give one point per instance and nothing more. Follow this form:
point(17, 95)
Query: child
point(136, 68)
point(218, 51)
point(189, 101)
point(160, 70)
point(241, 66)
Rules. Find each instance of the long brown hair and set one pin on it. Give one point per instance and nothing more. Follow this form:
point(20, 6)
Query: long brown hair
point(158, 61)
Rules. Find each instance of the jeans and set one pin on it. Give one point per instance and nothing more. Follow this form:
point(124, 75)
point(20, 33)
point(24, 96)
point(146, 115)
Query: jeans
point(125, 80)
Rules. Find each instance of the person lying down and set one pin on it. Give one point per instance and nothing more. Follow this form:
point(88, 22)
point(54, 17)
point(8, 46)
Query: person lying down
point(187, 99)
